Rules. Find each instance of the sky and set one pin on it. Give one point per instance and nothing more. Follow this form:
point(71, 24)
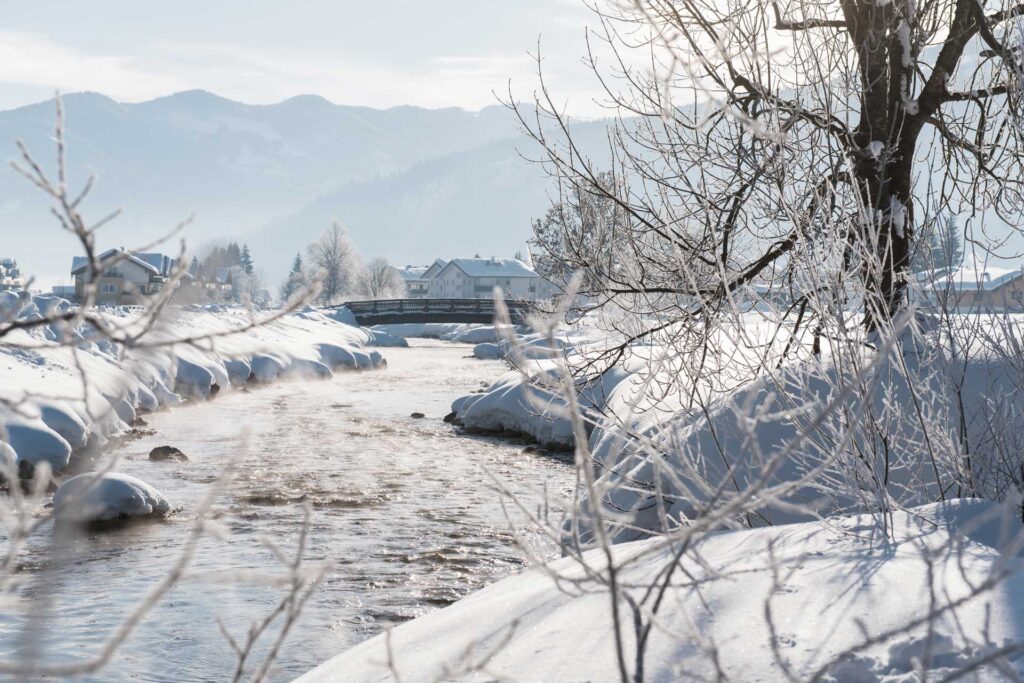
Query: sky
point(434, 53)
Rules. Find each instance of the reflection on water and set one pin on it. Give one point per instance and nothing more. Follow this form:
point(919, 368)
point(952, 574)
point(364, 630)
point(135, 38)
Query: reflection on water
point(404, 507)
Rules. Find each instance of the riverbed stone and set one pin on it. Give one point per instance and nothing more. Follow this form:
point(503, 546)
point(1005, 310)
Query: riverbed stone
point(167, 453)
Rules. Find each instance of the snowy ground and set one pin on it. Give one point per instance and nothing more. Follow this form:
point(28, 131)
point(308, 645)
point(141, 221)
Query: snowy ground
point(761, 605)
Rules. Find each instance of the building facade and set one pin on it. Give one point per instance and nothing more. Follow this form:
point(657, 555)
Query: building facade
point(476, 278)
point(125, 279)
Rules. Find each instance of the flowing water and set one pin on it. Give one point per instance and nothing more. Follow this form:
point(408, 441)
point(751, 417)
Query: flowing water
point(406, 509)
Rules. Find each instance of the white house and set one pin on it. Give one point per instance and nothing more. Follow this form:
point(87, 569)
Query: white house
point(417, 278)
point(476, 278)
point(978, 288)
point(10, 275)
point(124, 278)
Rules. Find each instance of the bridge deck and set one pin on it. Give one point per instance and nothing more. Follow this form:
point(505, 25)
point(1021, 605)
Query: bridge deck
point(395, 311)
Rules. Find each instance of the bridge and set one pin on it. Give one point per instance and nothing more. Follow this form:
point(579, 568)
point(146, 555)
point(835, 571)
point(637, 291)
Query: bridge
point(396, 311)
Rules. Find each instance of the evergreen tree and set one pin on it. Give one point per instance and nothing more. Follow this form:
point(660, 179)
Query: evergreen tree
point(245, 260)
point(952, 247)
point(295, 281)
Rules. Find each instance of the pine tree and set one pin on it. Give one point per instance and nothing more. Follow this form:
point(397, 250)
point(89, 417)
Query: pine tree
point(245, 260)
point(951, 247)
point(295, 281)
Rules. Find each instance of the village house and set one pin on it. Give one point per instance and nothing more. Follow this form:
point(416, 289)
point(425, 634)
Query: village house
point(10, 275)
point(975, 289)
point(417, 278)
point(125, 279)
point(476, 278)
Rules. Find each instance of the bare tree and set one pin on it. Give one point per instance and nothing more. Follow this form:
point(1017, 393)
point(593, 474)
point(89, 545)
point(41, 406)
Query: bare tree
point(380, 280)
point(580, 233)
point(761, 142)
point(336, 260)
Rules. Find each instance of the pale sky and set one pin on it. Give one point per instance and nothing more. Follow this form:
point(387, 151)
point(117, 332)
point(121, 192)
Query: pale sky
point(432, 53)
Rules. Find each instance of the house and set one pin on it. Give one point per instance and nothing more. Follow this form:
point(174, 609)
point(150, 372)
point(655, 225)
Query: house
point(476, 278)
point(977, 288)
point(417, 278)
point(125, 278)
point(10, 275)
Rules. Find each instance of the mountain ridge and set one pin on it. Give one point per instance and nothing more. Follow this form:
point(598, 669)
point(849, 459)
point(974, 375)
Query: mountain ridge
point(239, 166)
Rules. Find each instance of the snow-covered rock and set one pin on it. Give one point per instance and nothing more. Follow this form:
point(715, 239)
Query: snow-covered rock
point(239, 370)
point(383, 339)
point(488, 351)
point(93, 497)
point(34, 442)
point(61, 418)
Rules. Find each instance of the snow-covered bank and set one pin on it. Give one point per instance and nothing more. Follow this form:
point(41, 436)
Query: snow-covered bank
point(820, 448)
point(831, 587)
point(465, 333)
point(57, 413)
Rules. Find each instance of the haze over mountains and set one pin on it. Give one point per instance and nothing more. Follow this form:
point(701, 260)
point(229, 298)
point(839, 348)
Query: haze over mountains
point(411, 184)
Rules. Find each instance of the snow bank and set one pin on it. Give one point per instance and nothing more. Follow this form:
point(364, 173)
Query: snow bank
point(657, 454)
point(523, 404)
point(56, 416)
point(93, 497)
point(464, 333)
point(840, 583)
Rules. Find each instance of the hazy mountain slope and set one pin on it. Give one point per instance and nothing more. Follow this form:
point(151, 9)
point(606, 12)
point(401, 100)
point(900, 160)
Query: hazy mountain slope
point(236, 165)
point(477, 201)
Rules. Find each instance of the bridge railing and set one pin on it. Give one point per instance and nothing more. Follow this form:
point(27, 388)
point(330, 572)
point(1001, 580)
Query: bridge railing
point(436, 306)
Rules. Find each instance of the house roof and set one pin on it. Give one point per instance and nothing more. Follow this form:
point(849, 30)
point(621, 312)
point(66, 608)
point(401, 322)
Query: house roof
point(436, 267)
point(80, 263)
point(413, 273)
point(164, 263)
point(982, 277)
point(493, 267)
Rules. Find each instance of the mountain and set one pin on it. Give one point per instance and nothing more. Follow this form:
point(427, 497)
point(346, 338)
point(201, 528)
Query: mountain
point(478, 201)
point(240, 166)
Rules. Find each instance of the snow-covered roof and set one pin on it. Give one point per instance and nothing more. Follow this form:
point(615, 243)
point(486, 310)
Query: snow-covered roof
point(163, 263)
point(436, 267)
point(982, 277)
point(493, 267)
point(412, 273)
point(80, 263)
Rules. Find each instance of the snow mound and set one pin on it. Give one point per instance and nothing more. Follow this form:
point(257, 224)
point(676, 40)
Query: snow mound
point(521, 404)
point(35, 442)
point(382, 338)
point(92, 497)
point(837, 577)
point(488, 351)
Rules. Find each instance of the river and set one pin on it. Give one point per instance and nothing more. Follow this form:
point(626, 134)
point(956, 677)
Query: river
point(404, 507)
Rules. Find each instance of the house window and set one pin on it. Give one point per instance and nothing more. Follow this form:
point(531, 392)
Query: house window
point(108, 288)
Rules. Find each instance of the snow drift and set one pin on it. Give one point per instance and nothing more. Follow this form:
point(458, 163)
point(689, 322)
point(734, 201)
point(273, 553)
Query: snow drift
point(835, 594)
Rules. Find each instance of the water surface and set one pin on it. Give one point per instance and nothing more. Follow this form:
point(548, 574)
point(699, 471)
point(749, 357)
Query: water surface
point(404, 507)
